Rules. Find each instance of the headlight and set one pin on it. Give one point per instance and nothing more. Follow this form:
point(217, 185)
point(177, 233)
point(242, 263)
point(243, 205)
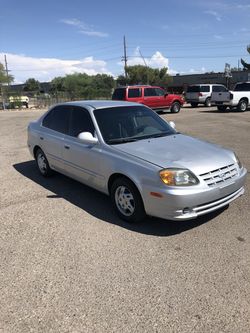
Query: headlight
point(238, 161)
point(178, 177)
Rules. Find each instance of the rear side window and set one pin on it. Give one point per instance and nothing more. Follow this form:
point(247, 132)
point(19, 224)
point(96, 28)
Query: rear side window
point(205, 89)
point(119, 94)
point(150, 92)
point(58, 119)
point(134, 92)
point(242, 87)
point(219, 89)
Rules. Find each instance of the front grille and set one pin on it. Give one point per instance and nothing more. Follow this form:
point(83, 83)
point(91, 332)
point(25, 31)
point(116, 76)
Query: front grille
point(219, 176)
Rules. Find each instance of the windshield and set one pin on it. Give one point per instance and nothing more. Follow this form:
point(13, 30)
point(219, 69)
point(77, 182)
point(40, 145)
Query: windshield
point(130, 123)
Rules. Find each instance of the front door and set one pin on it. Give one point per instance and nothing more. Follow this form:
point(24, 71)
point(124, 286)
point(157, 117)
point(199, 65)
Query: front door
point(82, 161)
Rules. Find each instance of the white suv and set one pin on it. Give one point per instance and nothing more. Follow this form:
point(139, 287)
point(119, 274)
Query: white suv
point(201, 93)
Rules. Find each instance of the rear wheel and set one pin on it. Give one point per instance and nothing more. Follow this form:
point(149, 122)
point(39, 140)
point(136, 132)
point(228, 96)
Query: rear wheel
point(194, 105)
point(42, 163)
point(242, 106)
point(208, 102)
point(175, 107)
point(127, 200)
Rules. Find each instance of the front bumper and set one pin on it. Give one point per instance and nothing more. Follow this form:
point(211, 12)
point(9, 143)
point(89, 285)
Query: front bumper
point(189, 203)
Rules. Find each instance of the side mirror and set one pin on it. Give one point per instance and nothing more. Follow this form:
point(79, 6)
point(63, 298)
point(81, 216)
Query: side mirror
point(87, 137)
point(172, 124)
point(165, 95)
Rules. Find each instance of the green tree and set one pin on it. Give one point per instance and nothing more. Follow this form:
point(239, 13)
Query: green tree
point(32, 85)
point(139, 74)
point(4, 78)
point(245, 64)
point(80, 85)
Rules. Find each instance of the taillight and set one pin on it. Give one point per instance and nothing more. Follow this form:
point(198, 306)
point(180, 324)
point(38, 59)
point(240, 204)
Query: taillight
point(231, 96)
point(200, 94)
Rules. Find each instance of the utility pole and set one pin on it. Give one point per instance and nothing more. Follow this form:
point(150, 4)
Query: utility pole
point(6, 69)
point(8, 82)
point(144, 64)
point(125, 58)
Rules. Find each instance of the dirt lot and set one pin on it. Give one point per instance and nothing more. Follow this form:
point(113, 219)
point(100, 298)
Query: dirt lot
point(68, 264)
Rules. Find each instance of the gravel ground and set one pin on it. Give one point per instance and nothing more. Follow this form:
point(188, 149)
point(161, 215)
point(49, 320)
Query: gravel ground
point(69, 264)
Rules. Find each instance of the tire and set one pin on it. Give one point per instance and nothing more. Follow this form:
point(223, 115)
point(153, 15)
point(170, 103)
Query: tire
point(127, 200)
point(242, 106)
point(175, 107)
point(43, 164)
point(221, 107)
point(194, 105)
point(208, 102)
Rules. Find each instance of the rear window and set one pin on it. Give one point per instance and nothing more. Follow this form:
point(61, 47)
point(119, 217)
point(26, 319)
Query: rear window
point(193, 89)
point(198, 89)
point(242, 87)
point(134, 92)
point(119, 94)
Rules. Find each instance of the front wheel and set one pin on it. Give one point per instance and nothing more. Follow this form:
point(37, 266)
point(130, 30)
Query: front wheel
point(242, 106)
point(175, 107)
point(127, 200)
point(42, 163)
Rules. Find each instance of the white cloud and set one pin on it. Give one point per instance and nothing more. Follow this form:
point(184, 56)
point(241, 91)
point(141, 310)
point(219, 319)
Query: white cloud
point(218, 37)
point(45, 69)
point(214, 14)
point(84, 28)
point(157, 60)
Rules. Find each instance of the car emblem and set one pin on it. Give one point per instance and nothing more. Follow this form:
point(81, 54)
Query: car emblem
point(223, 176)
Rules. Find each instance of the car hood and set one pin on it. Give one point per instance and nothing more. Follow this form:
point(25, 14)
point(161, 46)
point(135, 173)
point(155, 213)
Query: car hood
point(179, 151)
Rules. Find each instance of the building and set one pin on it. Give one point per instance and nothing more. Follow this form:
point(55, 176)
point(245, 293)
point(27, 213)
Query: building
point(180, 83)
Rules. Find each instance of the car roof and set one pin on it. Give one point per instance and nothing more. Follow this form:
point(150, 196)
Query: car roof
point(99, 104)
point(138, 86)
point(207, 84)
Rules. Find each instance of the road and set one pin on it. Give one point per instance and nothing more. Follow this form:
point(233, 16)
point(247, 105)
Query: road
point(69, 264)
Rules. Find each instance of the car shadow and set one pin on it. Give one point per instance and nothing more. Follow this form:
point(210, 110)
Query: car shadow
point(218, 111)
point(98, 204)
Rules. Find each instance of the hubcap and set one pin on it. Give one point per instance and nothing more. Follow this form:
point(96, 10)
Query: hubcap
point(243, 106)
point(124, 200)
point(41, 163)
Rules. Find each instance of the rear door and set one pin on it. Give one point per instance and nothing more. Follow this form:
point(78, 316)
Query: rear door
point(154, 97)
point(135, 95)
point(220, 94)
point(192, 93)
point(55, 126)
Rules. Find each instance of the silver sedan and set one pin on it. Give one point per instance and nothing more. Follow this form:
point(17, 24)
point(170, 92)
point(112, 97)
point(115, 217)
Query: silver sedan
point(127, 151)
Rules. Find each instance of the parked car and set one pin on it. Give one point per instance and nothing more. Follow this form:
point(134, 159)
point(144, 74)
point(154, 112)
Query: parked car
point(238, 98)
point(201, 93)
point(154, 97)
point(129, 152)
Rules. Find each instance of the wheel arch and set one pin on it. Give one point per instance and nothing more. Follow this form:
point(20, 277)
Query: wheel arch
point(244, 99)
point(35, 149)
point(117, 175)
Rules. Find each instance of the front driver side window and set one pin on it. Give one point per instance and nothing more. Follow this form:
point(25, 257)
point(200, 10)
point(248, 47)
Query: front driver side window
point(80, 122)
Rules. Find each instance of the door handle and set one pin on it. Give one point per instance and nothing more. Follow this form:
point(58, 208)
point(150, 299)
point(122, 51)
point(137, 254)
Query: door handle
point(67, 147)
point(41, 137)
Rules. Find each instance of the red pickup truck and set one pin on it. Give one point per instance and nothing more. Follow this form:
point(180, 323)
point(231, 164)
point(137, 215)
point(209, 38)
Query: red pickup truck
point(154, 97)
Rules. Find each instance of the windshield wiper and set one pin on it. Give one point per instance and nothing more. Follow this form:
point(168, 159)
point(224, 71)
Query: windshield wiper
point(121, 140)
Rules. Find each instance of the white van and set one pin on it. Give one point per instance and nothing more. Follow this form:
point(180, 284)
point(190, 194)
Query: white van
point(201, 93)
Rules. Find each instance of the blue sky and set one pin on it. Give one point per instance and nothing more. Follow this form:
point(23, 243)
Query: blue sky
point(44, 39)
